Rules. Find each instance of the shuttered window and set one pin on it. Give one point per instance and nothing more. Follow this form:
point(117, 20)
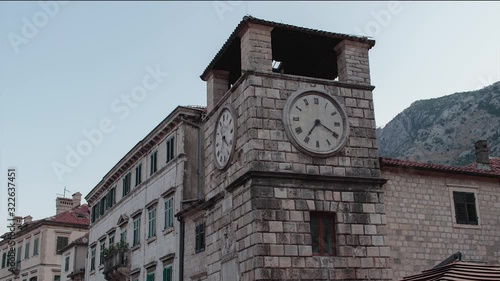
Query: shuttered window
point(465, 208)
point(150, 276)
point(170, 149)
point(200, 237)
point(61, 243)
point(126, 184)
point(167, 273)
point(153, 162)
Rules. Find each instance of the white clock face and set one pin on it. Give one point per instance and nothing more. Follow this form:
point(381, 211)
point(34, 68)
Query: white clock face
point(315, 123)
point(224, 138)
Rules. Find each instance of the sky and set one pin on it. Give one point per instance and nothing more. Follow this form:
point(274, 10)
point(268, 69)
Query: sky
point(67, 70)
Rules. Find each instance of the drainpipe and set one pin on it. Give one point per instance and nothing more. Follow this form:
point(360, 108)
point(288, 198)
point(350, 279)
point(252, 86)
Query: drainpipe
point(181, 248)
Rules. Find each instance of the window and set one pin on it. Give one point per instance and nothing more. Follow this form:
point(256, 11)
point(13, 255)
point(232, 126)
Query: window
point(123, 236)
point(169, 212)
point(150, 276)
point(138, 174)
point(152, 222)
point(323, 234)
point(111, 239)
point(465, 208)
point(61, 243)
point(102, 206)
point(200, 237)
point(167, 273)
point(94, 215)
point(137, 231)
point(126, 184)
point(92, 258)
point(111, 198)
point(66, 264)
point(27, 250)
point(170, 149)
point(102, 246)
point(4, 258)
point(57, 278)
point(19, 251)
point(153, 161)
point(35, 247)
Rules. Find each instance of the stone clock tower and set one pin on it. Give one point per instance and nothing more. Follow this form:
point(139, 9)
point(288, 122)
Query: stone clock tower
point(292, 187)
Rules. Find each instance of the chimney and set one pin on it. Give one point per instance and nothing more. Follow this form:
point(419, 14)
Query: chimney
point(77, 198)
point(482, 155)
point(28, 219)
point(63, 205)
point(17, 222)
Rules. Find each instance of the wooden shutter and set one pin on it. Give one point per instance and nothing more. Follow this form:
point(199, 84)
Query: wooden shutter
point(470, 198)
point(460, 207)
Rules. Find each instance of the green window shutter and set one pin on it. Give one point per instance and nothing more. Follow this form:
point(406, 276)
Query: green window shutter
point(164, 274)
point(460, 207)
point(169, 273)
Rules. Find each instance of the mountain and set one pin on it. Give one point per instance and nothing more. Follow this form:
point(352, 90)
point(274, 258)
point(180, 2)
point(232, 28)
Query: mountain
point(443, 130)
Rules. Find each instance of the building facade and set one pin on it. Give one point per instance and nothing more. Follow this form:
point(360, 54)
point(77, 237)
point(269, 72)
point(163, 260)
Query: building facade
point(36, 243)
point(279, 178)
point(74, 259)
point(435, 211)
point(134, 234)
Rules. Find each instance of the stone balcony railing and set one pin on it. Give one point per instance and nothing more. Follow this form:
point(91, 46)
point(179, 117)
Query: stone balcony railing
point(117, 265)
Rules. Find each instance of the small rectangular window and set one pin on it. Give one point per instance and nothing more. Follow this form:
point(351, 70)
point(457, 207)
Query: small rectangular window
point(4, 259)
point(150, 276)
point(102, 246)
point(167, 273)
point(200, 238)
point(323, 234)
point(92, 258)
point(137, 231)
point(35, 247)
point(138, 174)
point(66, 264)
point(126, 184)
point(170, 149)
point(123, 236)
point(153, 162)
point(111, 198)
point(27, 250)
point(19, 251)
point(152, 222)
point(111, 239)
point(465, 208)
point(61, 243)
point(169, 212)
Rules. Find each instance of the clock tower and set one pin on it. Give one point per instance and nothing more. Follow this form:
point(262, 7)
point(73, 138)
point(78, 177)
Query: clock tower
point(292, 187)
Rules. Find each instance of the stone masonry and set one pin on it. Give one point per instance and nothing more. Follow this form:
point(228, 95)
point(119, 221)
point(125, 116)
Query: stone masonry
point(257, 211)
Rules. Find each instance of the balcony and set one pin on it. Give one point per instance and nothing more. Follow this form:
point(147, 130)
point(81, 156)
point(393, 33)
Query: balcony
point(117, 263)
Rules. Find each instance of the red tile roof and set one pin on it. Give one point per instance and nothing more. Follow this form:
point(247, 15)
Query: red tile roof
point(77, 215)
point(459, 270)
point(470, 169)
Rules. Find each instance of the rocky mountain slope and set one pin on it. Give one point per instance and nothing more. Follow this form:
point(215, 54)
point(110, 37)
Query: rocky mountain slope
point(443, 130)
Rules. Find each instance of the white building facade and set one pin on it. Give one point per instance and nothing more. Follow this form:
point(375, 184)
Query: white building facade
point(37, 243)
point(134, 234)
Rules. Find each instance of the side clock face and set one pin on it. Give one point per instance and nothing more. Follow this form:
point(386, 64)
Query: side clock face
point(224, 138)
point(315, 123)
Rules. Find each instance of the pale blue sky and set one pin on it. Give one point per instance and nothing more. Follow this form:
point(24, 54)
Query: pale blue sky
point(68, 74)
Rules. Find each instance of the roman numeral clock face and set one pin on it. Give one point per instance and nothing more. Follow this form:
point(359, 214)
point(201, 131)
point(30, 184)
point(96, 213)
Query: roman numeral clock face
point(315, 123)
point(224, 138)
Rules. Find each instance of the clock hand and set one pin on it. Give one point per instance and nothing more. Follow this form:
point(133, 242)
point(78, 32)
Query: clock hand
point(316, 123)
point(224, 140)
point(327, 128)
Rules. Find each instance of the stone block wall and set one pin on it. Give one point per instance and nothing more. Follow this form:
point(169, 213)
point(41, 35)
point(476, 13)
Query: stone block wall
point(282, 209)
point(420, 221)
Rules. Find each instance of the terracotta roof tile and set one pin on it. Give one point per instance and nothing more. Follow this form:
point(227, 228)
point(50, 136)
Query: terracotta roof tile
point(77, 215)
point(459, 270)
point(470, 169)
